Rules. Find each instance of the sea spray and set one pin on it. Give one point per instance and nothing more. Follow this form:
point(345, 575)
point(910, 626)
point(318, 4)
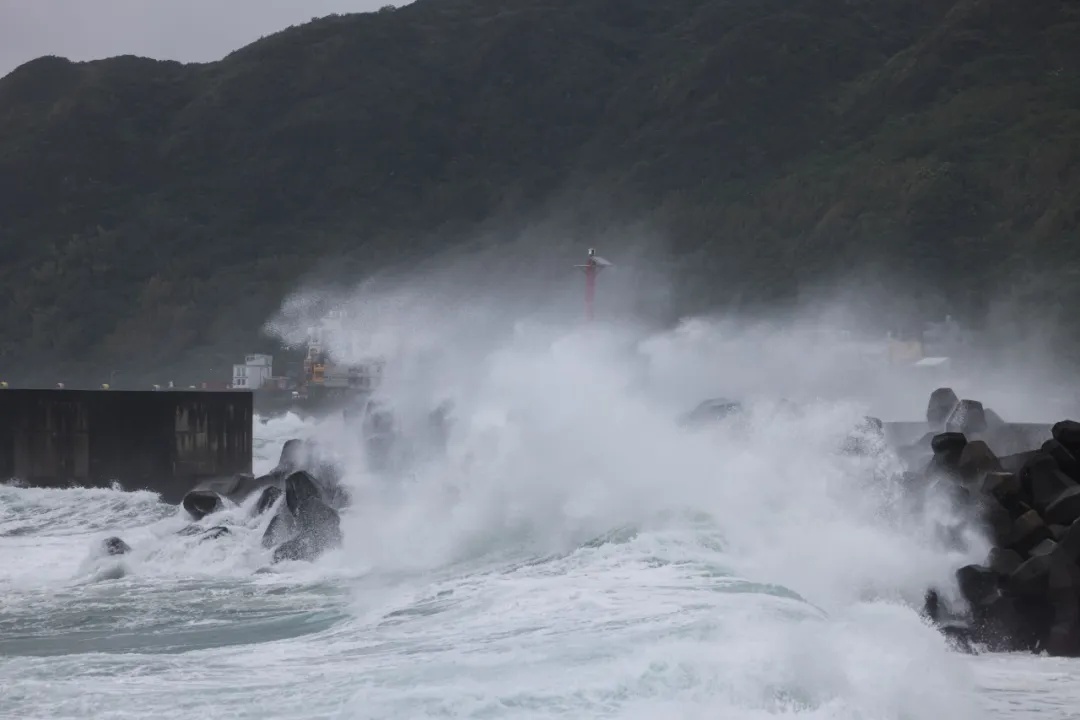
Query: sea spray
point(571, 552)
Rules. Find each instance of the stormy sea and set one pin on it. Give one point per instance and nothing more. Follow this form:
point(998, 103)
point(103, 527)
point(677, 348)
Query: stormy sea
point(571, 551)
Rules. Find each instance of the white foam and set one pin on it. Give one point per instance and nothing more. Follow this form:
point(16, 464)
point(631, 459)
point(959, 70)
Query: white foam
point(573, 554)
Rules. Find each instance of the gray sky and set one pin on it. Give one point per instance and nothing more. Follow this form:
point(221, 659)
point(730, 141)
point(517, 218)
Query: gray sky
point(187, 30)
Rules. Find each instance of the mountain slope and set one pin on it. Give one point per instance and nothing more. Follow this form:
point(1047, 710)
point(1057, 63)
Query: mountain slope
point(152, 212)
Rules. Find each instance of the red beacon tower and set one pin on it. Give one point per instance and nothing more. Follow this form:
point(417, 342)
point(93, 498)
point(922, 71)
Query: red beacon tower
point(593, 264)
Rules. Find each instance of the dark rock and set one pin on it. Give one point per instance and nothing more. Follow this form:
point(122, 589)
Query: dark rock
point(1032, 577)
point(948, 447)
point(948, 442)
point(281, 527)
point(1067, 432)
point(1004, 562)
point(960, 637)
point(216, 532)
point(1064, 579)
point(1065, 460)
point(116, 546)
point(211, 495)
point(998, 520)
point(967, 417)
point(1065, 509)
point(1037, 615)
point(301, 490)
point(1043, 481)
point(999, 515)
point(1058, 531)
point(942, 403)
point(956, 631)
point(306, 547)
point(1028, 531)
point(1006, 624)
point(1046, 547)
point(267, 499)
point(1003, 486)
point(200, 503)
point(210, 534)
point(1069, 543)
point(315, 526)
point(1023, 508)
point(1063, 639)
point(977, 583)
point(1014, 463)
point(932, 605)
point(993, 420)
point(976, 460)
point(293, 455)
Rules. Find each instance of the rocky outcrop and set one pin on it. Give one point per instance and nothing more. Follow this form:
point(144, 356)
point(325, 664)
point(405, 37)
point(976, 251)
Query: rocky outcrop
point(215, 494)
point(115, 546)
point(306, 526)
point(269, 496)
point(303, 527)
point(1026, 594)
point(211, 496)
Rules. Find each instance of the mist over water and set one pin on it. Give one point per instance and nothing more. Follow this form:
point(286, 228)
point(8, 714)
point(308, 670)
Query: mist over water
point(569, 551)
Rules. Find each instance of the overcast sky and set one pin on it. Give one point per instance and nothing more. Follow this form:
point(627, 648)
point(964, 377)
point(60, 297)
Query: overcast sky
point(187, 30)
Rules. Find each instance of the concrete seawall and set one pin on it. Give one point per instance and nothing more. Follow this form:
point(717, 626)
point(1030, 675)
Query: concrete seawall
point(160, 441)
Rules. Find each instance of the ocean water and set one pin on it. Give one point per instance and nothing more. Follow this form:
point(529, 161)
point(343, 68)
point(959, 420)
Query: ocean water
point(571, 553)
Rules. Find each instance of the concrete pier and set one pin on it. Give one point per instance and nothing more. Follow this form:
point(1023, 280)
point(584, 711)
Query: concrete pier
point(164, 441)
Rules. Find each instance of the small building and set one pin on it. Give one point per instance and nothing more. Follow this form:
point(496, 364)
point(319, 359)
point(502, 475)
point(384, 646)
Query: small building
point(322, 371)
point(904, 351)
point(255, 371)
point(362, 377)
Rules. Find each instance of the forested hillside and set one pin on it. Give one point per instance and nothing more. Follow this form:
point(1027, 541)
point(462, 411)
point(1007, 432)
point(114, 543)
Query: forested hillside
point(151, 211)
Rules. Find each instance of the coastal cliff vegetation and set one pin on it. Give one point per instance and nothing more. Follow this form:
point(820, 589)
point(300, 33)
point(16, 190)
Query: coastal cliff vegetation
point(154, 214)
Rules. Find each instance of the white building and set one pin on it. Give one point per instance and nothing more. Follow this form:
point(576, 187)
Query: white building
point(255, 371)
